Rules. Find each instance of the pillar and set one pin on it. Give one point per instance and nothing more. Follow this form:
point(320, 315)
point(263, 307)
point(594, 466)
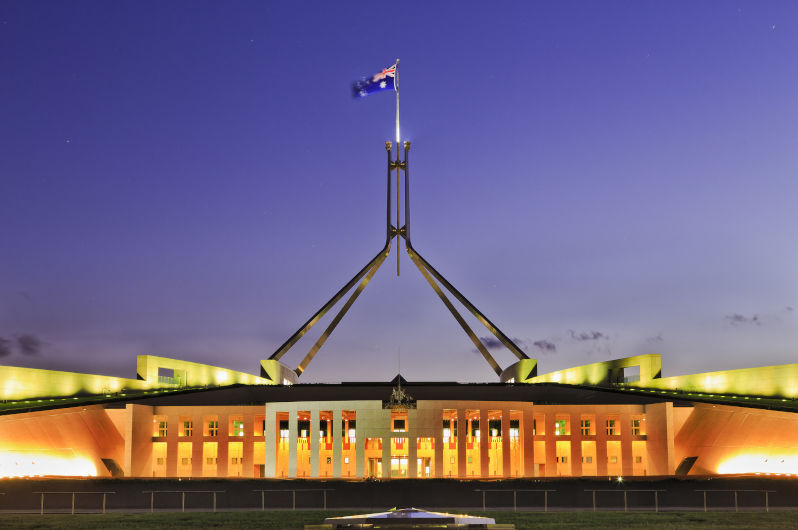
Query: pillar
point(484, 446)
point(293, 418)
point(314, 442)
point(337, 442)
point(506, 443)
point(462, 434)
point(270, 440)
point(527, 443)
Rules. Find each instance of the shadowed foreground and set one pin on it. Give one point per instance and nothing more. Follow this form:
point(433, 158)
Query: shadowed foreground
point(286, 520)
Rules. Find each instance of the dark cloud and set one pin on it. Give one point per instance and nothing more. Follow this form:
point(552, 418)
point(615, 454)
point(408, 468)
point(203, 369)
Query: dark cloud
point(789, 309)
point(5, 347)
point(492, 343)
point(29, 344)
point(658, 339)
point(546, 346)
point(587, 335)
point(737, 319)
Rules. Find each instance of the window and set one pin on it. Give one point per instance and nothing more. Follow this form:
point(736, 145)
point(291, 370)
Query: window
point(562, 459)
point(451, 460)
point(188, 428)
point(638, 460)
point(329, 460)
point(185, 461)
point(236, 460)
point(159, 461)
point(611, 429)
point(211, 460)
point(346, 460)
point(534, 427)
point(238, 428)
point(539, 425)
point(162, 428)
point(585, 427)
point(613, 460)
point(636, 427)
point(213, 428)
point(561, 427)
point(399, 425)
point(587, 459)
point(284, 429)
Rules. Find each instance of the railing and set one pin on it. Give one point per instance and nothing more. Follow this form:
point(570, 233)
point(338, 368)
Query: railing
point(625, 497)
point(293, 496)
point(73, 493)
point(183, 499)
point(736, 504)
point(515, 497)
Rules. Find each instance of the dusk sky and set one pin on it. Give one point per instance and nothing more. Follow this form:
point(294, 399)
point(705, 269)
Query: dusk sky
point(601, 179)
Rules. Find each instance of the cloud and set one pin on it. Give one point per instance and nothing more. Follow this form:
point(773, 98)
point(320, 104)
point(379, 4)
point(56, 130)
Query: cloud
point(737, 319)
point(5, 347)
point(657, 339)
point(587, 335)
point(546, 346)
point(29, 344)
point(492, 343)
point(789, 309)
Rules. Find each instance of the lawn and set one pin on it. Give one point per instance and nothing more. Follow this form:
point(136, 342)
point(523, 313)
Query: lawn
point(290, 519)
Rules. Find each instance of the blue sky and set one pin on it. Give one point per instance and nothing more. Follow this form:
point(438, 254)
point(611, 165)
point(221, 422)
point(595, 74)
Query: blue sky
point(193, 180)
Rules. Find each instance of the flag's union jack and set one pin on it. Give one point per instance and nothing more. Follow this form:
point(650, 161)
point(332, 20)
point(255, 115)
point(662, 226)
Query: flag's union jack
point(384, 80)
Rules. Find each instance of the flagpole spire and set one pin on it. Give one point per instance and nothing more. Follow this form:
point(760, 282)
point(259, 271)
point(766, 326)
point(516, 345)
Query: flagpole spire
point(396, 86)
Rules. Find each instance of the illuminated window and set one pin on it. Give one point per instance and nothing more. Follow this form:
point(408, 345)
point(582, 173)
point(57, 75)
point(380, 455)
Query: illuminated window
point(613, 459)
point(561, 427)
point(562, 459)
point(587, 459)
point(213, 428)
point(636, 427)
point(188, 428)
point(611, 429)
point(585, 427)
point(160, 461)
point(210, 460)
point(185, 461)
point(162, 428)
point(638, 460)
point(399, 425)
point(238, 428)
point(259, 425)
point(284, 429)
point(515, 430)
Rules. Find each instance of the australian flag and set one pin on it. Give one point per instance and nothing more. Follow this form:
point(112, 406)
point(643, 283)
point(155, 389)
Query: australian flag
point(385, 80)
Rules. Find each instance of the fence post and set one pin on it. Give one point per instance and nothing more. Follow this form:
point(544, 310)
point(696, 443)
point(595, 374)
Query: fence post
point(73, 503)
point(625, 504)
point(262, 500)
point(735, 501)
point(483, 500)
point(325, 499)
point(41, 510)
point(705, 501)
point(767, 504)
point(214, 502)
point(546, 501)
point(183, 502)
point(656, 501)
point(104, 494)
point(152, 501)
point(515, 505)
point(594, 500)
point(293, 499)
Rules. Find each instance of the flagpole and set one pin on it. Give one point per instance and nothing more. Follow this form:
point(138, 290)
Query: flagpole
point(396, 88)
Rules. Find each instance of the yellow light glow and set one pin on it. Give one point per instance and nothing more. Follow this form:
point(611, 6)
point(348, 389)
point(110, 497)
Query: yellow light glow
point(14, 464)
point(760, 463)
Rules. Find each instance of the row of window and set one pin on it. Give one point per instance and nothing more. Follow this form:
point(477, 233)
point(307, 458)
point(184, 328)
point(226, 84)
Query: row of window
point(561, 427)
point(211, 427)
point(587, 427)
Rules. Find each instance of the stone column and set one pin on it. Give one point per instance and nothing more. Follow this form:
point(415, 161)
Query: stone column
point(601, 445)
point(627, 467)
point(386, 456)
point(437, 436)
point(248, 466)
point(527, 443)
point(462, 433)
point(484, 445)
point(506, 456)
point(270, 443)
point(172, 428)
point(293, 418)
point(221, 448)
point(551, 446)
point(337, 442)
point(314, 441)
point(360, 447)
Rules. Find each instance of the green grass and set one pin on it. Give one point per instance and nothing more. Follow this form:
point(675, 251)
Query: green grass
point(289, 519)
